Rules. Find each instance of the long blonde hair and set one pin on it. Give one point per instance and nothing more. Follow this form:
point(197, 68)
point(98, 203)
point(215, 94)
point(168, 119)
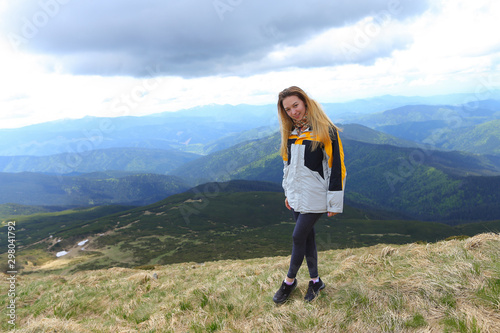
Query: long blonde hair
point(318, 119)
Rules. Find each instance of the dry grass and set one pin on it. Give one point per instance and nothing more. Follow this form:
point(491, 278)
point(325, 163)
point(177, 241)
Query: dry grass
point(450, 286)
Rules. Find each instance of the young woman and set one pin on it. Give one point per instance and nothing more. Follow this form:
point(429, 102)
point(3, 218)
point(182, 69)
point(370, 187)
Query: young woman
point(313, 180)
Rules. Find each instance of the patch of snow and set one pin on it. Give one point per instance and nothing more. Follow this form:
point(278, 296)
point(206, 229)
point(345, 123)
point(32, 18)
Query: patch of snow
point(61, 253)
point(83, 242)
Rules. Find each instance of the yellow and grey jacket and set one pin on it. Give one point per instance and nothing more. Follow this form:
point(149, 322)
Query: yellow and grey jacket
point(314, 181)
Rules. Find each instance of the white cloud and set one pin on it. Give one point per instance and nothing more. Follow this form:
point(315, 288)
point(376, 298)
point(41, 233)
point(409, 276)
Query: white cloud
point(187, 38)
point(363, 42)
point(449, 48)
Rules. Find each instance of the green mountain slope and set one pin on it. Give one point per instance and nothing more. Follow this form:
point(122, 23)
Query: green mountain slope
point(258, 159)
point(84, 190)
point(423, 184)
point(39, 226)
point(122, 159)
point(221, 165)
point(473, 128)
point(429, 185)
point(365, 134)
point(11, 210)
point(236, 138)
point(214, 221)
point(480, 139)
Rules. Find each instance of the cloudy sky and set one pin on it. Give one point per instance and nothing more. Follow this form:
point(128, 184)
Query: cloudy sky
point(72, 58)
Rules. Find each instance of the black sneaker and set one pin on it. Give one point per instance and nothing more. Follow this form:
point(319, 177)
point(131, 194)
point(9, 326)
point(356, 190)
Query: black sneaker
point(313, 290)
point(284, 292)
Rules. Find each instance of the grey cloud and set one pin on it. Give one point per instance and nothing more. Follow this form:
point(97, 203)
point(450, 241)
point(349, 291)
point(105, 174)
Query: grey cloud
point(181, 37)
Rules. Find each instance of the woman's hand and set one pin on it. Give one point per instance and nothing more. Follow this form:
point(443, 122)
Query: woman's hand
point(330, 214)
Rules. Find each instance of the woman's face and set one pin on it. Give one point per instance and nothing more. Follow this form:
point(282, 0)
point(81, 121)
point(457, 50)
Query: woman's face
point(294, 107)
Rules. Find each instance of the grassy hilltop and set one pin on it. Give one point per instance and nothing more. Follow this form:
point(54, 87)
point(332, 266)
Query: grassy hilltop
point(448, 286)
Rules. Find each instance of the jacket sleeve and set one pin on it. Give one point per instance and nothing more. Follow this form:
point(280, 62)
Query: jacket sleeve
point(284, 183)
point(285, 178)
point(335, 152)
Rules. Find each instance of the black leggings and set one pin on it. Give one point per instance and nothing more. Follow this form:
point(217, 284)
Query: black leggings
point(304, 244)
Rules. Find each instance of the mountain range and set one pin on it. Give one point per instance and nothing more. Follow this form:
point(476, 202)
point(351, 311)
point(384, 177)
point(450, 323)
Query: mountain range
point(398, 159)
point(37, 189)
point(393, 174)
point(472, 129)
point(162, 188)
point(194, 129)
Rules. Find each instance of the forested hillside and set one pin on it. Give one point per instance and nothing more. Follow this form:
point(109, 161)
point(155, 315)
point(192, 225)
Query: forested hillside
point(231, 220)
point(480, 139)
point(87, 190)
point(116, 159)
point(423, 184)
point(466, 127)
